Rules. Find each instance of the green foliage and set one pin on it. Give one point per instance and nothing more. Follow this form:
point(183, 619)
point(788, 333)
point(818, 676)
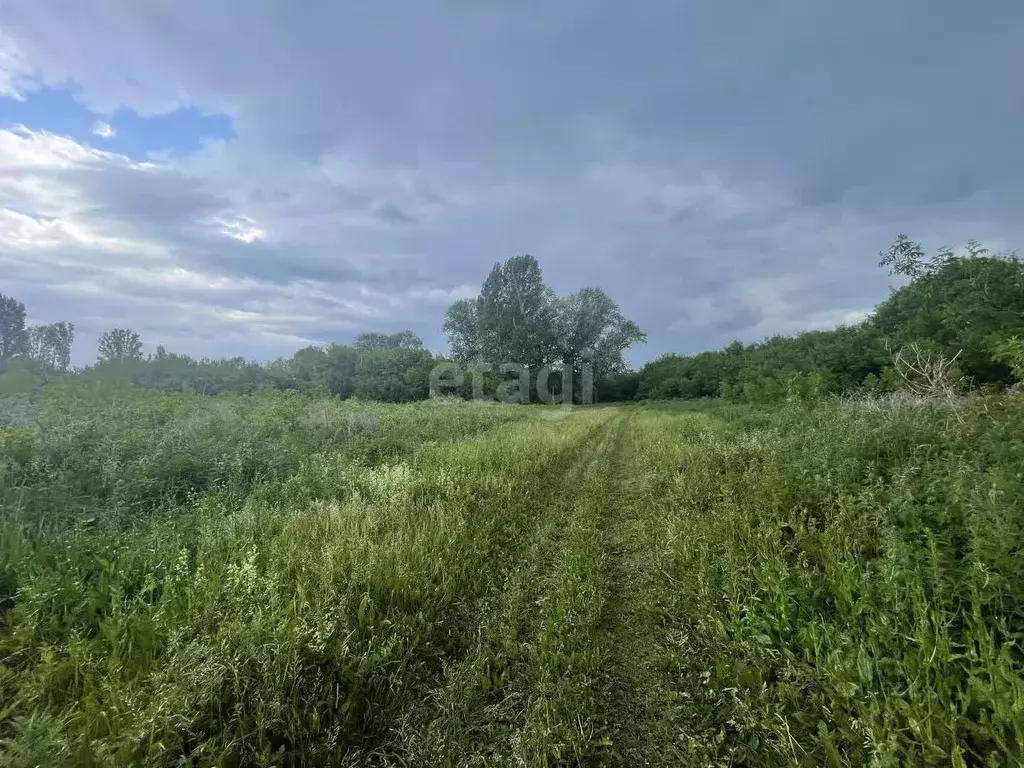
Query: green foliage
point(339, 370)
point(15, 382)
point(343, 370)
point(839, 360)
point(955, 306)
point(400, 340)
point(50, 345)
point(961, 305)
point(906, 257)
point(311, 369)
point(850, 584)
point(389, 369)
point(519, 319)
point(13, 338)
point(591, 328)
point(396, 375)
point(169, 372)
point(271, 579)
point(121, 345)
point(334, 370)
point(45, 350)
point(516, 315)
point(241, 580)
point(617, 387)
point(1011, 352)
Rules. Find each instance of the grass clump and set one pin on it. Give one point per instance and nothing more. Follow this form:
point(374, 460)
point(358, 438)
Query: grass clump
point(856, 579)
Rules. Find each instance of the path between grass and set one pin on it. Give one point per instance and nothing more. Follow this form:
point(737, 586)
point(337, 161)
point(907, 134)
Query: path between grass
point(571, 665)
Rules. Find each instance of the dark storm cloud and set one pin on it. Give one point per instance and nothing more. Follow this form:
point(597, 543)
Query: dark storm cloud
point(723, 169)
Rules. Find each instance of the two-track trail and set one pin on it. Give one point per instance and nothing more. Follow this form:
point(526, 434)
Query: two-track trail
point(572, 662)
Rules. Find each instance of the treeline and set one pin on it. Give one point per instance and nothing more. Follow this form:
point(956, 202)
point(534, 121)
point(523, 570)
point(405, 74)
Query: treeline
point(516, 320)
point(36, 347)
point(375, 366)
point(389, 368)
point(956, 325)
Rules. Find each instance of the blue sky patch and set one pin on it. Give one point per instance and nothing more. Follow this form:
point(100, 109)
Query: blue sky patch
point(56, 110)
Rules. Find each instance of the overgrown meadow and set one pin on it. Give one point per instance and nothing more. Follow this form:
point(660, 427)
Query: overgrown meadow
point(275, 579)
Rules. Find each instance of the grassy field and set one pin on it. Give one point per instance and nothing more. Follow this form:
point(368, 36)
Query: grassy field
point(275, 580)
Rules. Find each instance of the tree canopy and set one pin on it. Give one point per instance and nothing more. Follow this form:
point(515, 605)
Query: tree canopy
point(120, 345)
point(963, 306)
point(517, 318)
point(400, 340)
point(13, 338)
point(50, 345)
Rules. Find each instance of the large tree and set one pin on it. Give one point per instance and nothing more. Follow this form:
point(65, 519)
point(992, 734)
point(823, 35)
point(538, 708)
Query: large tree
point(120, 345)
point(518, 319)
point(50, 345)
point(591, 327)
point(462, 327)
point(364, 367)
point(13, 337)
point(343, 372)
point(517, 315)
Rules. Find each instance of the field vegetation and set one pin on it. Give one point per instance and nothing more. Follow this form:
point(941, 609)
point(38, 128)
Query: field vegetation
point(806, 551)
point(280, 580)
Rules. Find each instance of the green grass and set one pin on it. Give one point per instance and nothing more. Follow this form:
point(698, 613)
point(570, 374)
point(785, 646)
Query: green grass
point(275, 580)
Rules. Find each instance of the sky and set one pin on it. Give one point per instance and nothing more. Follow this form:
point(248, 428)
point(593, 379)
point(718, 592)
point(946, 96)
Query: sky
point(247, 178)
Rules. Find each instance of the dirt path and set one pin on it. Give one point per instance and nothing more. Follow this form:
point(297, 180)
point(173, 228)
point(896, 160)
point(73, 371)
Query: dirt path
point(638, 703)
point(570, 665)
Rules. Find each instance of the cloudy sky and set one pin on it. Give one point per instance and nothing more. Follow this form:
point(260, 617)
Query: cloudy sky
point(250, 176)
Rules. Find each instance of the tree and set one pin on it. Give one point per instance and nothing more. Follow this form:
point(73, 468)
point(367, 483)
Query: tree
point(960, 305)
point(1011, 352)
point(371, 340)
point(310, 370)
point(395, 375)
point(511, 321)
point(617, 387)
point(400, 340)
point(518, 319)
point(516, 315)
point(120, 345)
point(50, 345)
point(343, 369)
point(13, 337)
point(333, 371)
point(904, 257)
point(462, 326)
point(392, 368)
point(956, 307)
point(590, 326)
point(405, 340)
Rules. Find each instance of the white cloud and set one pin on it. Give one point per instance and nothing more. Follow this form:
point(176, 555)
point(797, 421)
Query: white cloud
point(32, 234)
point(104, 130)
point(14, 70)
point(24, 149)
point(242, 229)
point(98, 238)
